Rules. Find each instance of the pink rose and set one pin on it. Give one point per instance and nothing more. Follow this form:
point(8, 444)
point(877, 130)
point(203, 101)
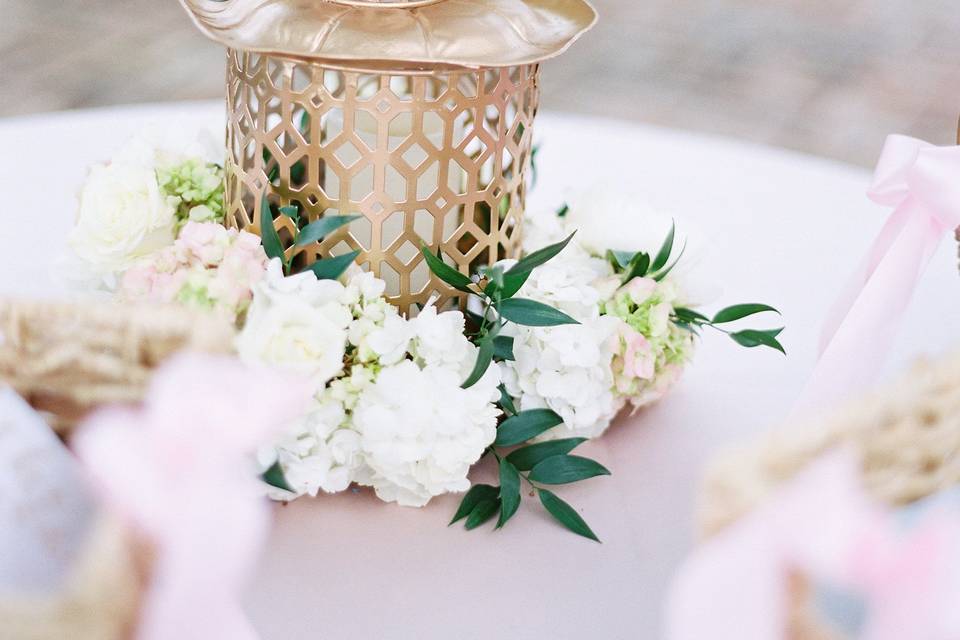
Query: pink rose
point(634, 361)
point(220, 265)
point(638, 357)
point(639, 289)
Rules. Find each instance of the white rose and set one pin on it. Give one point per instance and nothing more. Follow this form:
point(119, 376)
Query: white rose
point(123, 216)
point(293, 336)
point(607, 218)
point(610, 219)
point(296, 323)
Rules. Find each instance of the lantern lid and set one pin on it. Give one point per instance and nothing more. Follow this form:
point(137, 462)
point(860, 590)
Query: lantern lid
point(463, 33)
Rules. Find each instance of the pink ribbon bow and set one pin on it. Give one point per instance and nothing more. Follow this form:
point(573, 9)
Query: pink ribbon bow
point(922, 183)
point(823, 526)
point(180, 469)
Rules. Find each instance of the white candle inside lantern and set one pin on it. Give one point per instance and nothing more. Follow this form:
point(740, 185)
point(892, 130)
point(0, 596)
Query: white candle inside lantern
point(420, 186)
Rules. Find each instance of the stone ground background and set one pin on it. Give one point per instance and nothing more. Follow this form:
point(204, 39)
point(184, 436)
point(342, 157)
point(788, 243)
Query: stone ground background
point(829, 77)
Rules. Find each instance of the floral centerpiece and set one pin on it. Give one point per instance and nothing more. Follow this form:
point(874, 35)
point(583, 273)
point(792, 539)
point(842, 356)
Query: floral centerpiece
point(550, 348)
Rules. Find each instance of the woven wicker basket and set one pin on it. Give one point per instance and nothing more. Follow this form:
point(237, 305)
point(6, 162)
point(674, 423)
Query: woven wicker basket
point(908, 438)
point(68, 358)
point(97, 601)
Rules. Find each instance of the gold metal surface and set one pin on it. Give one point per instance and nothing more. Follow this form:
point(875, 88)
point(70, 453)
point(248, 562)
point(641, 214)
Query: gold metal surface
point(438, 159)
point(465, 33)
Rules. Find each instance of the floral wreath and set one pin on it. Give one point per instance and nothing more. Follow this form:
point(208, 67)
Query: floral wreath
point(550, 348)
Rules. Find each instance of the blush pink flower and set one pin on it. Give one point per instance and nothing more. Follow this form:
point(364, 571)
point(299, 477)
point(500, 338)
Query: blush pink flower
point(207, 267)
point(634, 361)
point(640, 289)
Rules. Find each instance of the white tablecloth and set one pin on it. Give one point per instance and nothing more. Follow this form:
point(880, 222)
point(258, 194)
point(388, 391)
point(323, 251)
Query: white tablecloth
point(785, 229)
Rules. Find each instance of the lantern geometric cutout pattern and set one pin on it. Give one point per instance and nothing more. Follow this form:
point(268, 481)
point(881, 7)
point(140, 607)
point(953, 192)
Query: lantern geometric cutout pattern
point(424, 157)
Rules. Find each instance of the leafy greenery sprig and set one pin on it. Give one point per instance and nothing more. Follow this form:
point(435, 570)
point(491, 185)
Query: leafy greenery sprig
point(638, 264)
point(693, 320)
point(496, 288)
point(543, 463)
point(641, 265)
point(306, 233)
point(546, 463)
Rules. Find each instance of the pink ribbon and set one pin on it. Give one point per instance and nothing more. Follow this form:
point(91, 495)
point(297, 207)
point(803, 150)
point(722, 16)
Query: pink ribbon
point(180, 468)
point(823, 526)
point(922, 183)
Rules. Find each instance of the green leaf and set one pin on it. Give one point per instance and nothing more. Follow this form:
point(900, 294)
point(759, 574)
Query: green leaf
point(484, 358)
point(503, 347)
point(664, 254)
point(333, 268)
point(564, 469)
point(565, 514)
point(512, 282)
point(509, 492)
point(638, 267)
point(320, 229)
point(527, 457)
point(504, 207)
point(534, 173)
point(689, 316)
point(619, 259)
point(506, 402)
point(275, 478)
point(525, 425)
point(532, 313)
point(297, 172)
point(477, 494)
point(663, 274)
point(274, 171)
point(268, 233)
point(739, 311)
point(563, 211)
point(445, 272)
point(759, 338)
point(539, 257)
point(291, 212)
point(494, 276)
point(484, 510)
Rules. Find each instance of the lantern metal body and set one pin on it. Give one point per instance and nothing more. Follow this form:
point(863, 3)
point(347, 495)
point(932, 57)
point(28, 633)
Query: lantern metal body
point(416, 117)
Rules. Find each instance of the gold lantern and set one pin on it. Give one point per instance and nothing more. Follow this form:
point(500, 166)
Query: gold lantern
point(415, 116)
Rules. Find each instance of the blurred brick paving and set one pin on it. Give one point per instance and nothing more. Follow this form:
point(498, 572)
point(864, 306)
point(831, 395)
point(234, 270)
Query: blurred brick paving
point(829, 77)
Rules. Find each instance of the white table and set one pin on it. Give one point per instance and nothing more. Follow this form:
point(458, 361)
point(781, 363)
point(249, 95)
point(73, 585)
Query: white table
point(785, 227)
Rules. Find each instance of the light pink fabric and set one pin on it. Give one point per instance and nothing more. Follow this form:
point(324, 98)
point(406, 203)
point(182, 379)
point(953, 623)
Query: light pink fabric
point(922, 183)
point(180, 470)
point(824, 526)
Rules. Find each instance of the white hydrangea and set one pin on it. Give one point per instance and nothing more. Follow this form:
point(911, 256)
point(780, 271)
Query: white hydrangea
point(397, 419)
point(566, 368)
point(437, 340)
point(317, 453)
point(420, 432)
point(297, 323)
